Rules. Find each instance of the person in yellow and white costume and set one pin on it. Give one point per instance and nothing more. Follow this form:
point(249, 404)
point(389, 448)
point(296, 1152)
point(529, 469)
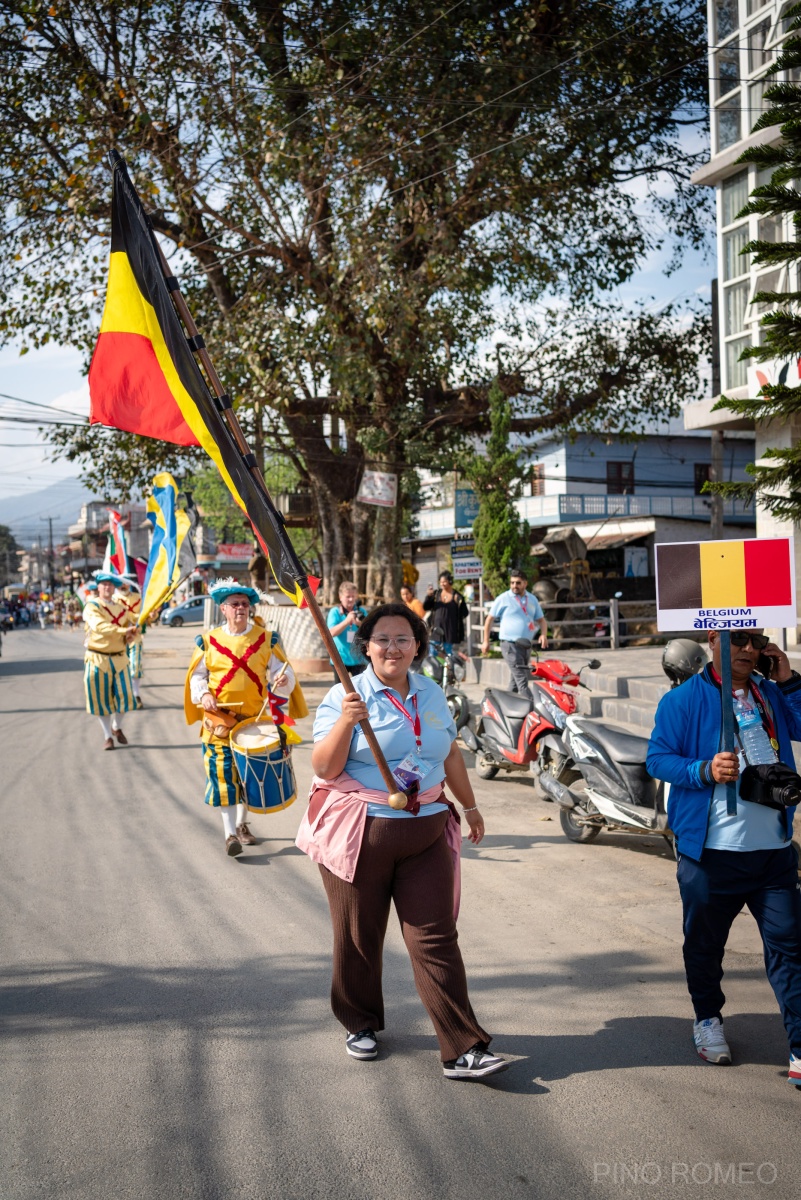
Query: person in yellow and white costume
point(106, 676)
point(130, 598)
point(236, 671)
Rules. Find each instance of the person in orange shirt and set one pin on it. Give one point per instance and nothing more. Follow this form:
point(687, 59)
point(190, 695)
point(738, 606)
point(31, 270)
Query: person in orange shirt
point(408, 598)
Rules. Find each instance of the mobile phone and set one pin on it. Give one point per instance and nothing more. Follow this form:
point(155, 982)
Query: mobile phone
point(765, 665)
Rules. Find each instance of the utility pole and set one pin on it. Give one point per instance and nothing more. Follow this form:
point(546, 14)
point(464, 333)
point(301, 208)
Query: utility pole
point(716, 476)
point(50, 553)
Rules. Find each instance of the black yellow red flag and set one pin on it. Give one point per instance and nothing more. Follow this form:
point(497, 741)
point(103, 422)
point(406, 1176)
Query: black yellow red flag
point(144, 377)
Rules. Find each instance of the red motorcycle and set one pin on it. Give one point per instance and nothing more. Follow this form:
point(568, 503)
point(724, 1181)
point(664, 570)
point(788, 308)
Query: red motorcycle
point(524, 733)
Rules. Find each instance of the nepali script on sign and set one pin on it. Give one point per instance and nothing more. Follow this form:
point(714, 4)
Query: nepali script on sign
point(746, 584)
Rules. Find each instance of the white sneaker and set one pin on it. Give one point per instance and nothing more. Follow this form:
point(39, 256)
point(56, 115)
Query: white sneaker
point(363, 1044)
point(710, 1042)
point(794, 1074)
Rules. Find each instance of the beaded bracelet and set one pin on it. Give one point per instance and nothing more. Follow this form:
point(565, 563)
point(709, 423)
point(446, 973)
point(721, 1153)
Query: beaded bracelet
point(473, 809)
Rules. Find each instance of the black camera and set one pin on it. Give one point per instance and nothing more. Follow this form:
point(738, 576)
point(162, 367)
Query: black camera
point(771, 784)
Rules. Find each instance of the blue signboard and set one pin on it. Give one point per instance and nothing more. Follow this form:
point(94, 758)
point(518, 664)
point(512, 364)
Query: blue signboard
point(466, 507)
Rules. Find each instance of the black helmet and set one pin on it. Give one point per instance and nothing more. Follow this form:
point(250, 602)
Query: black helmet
point(681, 659)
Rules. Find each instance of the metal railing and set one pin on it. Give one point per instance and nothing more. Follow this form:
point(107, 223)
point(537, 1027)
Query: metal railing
point(609, 623)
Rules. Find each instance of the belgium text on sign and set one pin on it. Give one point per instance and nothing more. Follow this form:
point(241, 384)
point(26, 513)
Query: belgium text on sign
point(725, 585)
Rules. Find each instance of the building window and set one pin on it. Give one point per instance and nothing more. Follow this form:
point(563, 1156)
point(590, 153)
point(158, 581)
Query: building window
point(701, 474)
point(757, 104)
point(735, 302)
point(726, 18)
point(728, 61)
point(620, 478)
point(769, 229)
point(758, 56)
point(769, 282)
point(736, 371)
point(728, 119)
point(734, 261)
point(753, 6)
point(734, 195)
point(538, 479)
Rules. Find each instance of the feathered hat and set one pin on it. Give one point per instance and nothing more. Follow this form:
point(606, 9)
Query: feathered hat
point(222, 589)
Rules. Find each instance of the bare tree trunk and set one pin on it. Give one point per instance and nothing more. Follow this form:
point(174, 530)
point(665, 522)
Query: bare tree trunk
point(716, 476)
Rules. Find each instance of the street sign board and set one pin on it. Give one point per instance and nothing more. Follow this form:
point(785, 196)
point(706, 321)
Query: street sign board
point(465, 507)
point(466, 568)
point(378, 487)
point(746, 584)
point(463, 545)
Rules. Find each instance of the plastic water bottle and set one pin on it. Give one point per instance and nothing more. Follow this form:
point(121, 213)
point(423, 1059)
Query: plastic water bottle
point(753, 735)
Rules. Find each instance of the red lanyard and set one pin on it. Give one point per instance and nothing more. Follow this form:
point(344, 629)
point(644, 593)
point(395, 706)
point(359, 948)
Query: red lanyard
point(761, 706)
point(523, 602)
point(414, 721)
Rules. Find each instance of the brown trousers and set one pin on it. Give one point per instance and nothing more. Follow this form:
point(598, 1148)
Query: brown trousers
point(409, 863)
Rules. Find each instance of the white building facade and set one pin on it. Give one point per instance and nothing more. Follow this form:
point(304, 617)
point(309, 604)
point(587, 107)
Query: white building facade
point(745, 38)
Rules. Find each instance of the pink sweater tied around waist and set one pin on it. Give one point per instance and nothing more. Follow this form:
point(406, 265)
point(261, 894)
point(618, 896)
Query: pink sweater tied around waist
point(332, 828)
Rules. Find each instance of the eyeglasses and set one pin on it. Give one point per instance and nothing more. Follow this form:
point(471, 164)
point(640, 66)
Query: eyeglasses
point(231, 604)
point(757, 640)
point(402, 643)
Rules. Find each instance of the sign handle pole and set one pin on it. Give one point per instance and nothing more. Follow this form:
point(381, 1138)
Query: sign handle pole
point(728, 713)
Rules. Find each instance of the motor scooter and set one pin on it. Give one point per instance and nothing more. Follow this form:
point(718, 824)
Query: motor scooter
point(447, 670)
point(604, 783)
point(524, 733)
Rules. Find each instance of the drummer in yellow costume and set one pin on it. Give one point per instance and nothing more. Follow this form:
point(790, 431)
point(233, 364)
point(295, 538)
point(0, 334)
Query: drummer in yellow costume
point(236, 671)
point(129, 597)
point(106, 678)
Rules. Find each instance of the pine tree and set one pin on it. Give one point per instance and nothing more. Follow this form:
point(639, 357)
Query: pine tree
point(502, 541)
point(778, 486)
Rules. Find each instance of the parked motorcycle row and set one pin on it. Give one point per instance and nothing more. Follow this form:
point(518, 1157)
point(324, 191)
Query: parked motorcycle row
point(595, 772)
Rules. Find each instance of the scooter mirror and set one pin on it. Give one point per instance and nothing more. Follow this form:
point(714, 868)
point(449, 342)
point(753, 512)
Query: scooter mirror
point(438, 634)
point(594, 664)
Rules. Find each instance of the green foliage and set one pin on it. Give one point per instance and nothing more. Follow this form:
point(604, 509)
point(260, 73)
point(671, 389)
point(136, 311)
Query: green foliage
point(354, 200)
point(501, 540)
point(216, 507)
point(8, 555)
point(777, 486)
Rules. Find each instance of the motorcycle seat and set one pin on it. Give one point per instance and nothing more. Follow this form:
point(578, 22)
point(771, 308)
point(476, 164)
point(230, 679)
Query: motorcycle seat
point(619, 744)
point(510, 703)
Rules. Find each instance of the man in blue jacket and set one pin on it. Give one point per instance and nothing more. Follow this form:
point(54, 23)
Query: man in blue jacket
point(727, 860)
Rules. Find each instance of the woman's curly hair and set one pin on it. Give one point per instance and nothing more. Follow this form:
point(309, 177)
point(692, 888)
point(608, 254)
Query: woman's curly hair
point(416, 624)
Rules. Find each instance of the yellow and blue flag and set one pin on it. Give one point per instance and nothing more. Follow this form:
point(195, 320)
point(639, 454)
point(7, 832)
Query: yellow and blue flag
point(172, 556)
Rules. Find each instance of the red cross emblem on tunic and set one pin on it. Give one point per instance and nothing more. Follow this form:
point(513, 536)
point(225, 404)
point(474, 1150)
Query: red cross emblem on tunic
point(240, 664)
point(114, 620)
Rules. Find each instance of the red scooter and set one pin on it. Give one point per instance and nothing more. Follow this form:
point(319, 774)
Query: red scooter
point(524, 733)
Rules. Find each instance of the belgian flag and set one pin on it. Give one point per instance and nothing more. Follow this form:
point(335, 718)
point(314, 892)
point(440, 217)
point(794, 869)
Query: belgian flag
point(144, 377)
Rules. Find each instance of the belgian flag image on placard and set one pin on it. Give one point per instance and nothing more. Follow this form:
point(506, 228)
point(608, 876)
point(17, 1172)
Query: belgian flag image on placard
point(145, 379)
point(725, 585)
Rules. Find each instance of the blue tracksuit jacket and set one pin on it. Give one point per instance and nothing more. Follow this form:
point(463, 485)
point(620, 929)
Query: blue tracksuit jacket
point(687, 732)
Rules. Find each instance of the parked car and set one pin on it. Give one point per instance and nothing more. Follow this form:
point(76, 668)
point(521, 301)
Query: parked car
point(189, 612)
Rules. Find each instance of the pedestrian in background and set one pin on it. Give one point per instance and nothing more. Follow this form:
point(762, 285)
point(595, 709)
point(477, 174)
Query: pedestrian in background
point(448, 611)
point(730, 860)
point(520, 614)
point(410, 600)
point(344, 620)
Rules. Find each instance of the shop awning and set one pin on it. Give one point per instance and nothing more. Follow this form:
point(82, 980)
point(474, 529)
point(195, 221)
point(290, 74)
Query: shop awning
point(611, 541)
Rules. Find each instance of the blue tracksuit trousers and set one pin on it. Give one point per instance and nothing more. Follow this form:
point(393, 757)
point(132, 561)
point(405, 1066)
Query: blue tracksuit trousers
point(713, 891)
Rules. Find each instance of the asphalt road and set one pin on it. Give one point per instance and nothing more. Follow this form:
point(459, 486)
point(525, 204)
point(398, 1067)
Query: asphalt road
point(165, 1022)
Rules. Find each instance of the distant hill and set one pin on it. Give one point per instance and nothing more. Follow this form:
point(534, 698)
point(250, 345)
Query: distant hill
point(62, 501)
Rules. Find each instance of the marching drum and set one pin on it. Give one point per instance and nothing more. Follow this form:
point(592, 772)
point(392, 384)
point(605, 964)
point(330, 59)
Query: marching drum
point(264, 768)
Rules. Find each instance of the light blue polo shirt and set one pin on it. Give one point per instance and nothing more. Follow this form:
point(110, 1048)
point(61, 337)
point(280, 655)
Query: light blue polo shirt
point(394, 732)
point(516, 613)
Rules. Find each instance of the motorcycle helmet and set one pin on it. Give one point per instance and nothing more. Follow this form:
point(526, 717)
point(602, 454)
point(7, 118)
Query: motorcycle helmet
point(681, 659)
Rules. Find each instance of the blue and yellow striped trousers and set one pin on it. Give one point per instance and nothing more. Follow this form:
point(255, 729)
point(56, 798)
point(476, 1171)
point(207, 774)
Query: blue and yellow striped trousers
point(222, 781)
point(107, 684)
point(135, 660)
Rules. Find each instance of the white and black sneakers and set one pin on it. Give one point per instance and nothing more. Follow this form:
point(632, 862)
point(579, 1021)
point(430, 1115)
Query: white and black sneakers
point(363, 1044)
point(474, 1064)
point(710, 1043)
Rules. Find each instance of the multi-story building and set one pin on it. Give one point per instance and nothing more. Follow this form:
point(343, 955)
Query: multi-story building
point(745, 37)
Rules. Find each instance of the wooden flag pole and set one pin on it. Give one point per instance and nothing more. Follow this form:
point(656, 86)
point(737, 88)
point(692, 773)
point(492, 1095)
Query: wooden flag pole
point(727, 713)
point(396, 799)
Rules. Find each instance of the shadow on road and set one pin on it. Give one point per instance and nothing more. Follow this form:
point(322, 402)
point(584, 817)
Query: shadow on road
point(40, 666)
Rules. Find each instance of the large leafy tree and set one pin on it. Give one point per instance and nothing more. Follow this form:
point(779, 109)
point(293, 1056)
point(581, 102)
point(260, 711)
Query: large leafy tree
point(776, 481)
point(355, 199)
